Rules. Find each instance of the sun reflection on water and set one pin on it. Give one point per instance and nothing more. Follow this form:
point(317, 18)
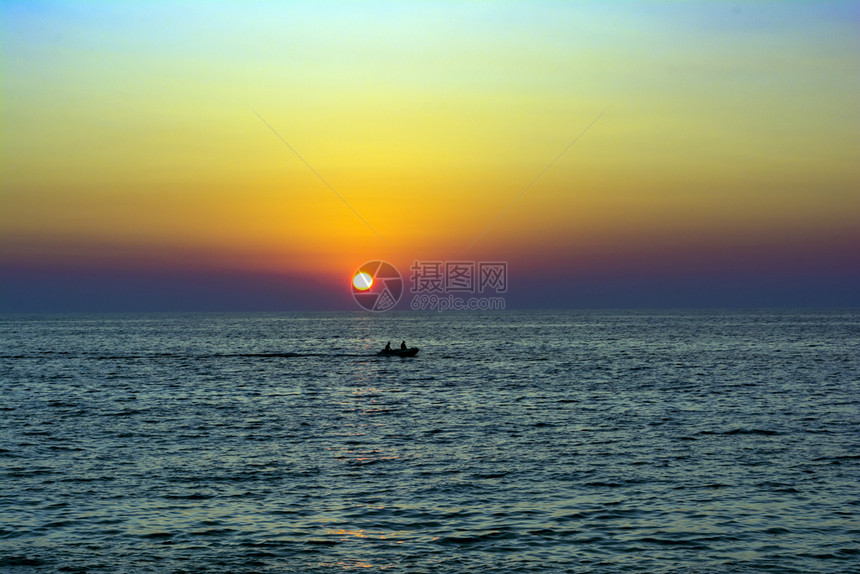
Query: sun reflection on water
point(346, 535)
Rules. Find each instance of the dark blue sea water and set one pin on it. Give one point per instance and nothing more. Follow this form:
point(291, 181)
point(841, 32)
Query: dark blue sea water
point(514, 442)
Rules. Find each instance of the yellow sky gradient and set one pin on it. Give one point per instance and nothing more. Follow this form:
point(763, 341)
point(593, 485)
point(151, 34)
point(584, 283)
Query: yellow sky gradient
point(130, 131)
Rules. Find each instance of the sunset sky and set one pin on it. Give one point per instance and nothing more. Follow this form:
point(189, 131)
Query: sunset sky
point(142, 166)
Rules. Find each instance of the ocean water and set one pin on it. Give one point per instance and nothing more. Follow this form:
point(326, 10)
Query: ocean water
point(514, 442)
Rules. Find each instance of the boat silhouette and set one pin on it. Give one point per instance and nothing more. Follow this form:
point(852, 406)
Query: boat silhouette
point(410, 352)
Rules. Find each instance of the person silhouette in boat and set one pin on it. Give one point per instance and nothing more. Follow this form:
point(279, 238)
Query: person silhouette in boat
point(403, 345)
point(388, 346)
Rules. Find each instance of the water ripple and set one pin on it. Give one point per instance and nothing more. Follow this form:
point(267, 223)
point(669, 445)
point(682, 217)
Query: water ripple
point(534, 442)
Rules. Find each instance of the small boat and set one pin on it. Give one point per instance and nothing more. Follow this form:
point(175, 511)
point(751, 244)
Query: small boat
point(410, 352)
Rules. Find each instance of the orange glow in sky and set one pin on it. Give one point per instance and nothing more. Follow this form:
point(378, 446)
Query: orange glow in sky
point(314, 137)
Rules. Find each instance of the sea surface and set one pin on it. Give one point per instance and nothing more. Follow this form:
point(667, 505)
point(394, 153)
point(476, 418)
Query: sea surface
point(514, 442)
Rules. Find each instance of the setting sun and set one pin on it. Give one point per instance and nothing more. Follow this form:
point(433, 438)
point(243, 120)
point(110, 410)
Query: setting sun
point(362, 281)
